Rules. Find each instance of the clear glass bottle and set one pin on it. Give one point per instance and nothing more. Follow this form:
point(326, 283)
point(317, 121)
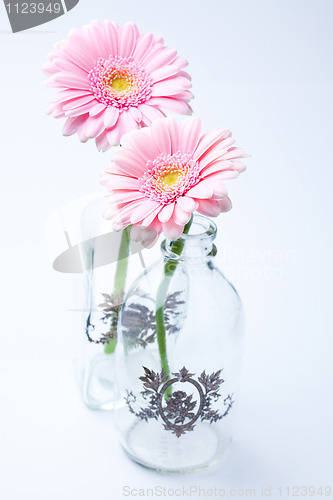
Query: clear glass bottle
point(102, 261)
point(179, 418)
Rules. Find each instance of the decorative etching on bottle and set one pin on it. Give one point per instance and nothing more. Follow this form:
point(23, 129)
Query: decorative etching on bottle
point(178, 409)
point(138, 320)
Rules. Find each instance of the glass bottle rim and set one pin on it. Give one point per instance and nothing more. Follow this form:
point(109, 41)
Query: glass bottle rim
point(201, 240)
point(208, 228)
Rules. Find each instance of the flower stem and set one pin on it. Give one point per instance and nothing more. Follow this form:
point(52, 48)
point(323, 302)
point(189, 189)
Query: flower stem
point(169, 269)
point(120, 277)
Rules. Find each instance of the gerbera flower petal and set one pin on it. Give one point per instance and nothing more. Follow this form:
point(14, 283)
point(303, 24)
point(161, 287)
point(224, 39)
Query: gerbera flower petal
point(174, 131)
point(67, 95)
point(170, 87)
point(146, 148)
point(161, 136)
point(210, 208)
point(126, 122)
point(78, 56)
point(147, 236)
point(94, 127)
point(181, 216)
point(149, 113)
point(111, 37)
point(126, 196)
point(55, 110)
point(130, 158)
point(81, 131)
point(128, 37)
point(222, 168)
point(210, 156)
point(165, 72)
point(190, 134)
point(96, 38)
point(72, 124)
point(152, 219)
point(80, 110)
point(172, 105)
point(187, 203)
point(121, 71)
point(203, 189)
point(113, 136)
point(114, 169)
point(77, 39)
point(146, 208)
point(210, 140)
point(233, 153)
point(129, 164)
point(160, 58)
point(123, 182)
point(155, 49)
point(143, 45)
point(184, 94)
point(110, 116)
point(65, 65)
point(102, 141)
point(97, 109)
point(78, 102)
point(136, 114)
point(123, 217)
point(238, 166)
point(225, 204)
point(66, 79)
point(166, 212)
point(172, 230)
point(92, 37)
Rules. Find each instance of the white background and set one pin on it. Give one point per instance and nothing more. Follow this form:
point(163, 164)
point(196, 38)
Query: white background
point(263, 69)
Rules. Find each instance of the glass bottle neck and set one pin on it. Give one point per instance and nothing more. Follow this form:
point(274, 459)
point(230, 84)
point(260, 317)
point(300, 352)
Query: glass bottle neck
point(198, 244)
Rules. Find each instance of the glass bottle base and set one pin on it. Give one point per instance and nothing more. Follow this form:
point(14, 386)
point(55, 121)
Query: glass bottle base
point(191, 452)
point(98, 388)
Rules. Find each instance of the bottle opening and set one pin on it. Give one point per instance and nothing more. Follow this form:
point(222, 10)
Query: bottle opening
point(201, 227)
point(197, 243)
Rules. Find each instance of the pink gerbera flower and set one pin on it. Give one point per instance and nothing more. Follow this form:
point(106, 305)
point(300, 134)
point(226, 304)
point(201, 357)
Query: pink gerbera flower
point(114, 80)
point(163, 173)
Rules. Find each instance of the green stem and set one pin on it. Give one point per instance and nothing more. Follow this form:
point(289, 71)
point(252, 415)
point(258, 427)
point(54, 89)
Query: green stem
point(120, 277)
point(169, 270)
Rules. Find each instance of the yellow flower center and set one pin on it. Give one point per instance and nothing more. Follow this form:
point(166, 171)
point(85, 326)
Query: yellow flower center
point(119, 84)
point(170, 178)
